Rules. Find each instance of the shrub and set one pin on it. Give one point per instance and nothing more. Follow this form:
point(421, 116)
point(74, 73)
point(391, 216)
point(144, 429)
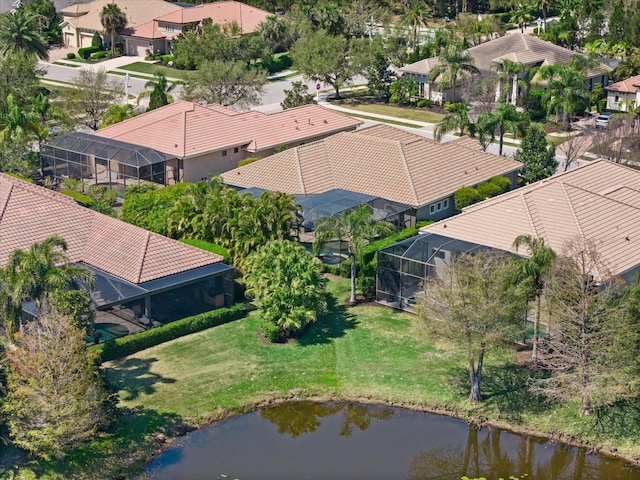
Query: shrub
point(86, 52)
point(280, 148)
point(270, 331)
point(369, 251)
point(501, 182)
point(98, 55)
point(488, 190)
point(366, 280)
point(81, 198)
point(332, 269)
point(147, 207)
point(96, 40)
point(20, 177)
point(425, 102)
point(466, 196)
point(247, 161)
point(135, 342)
point(166, 59)
point(71, 55)
point(345, 269)
point(209, 247)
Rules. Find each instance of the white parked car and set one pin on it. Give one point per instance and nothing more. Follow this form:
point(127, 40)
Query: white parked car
point(603, 120)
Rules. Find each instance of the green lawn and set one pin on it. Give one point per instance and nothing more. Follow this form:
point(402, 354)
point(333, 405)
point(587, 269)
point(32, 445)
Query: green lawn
point(368, 353)
point(357, 100)
point(151, 68)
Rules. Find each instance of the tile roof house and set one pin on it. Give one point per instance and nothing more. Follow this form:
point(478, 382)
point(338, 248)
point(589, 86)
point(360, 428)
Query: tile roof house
point(488, 57)
point(157, 35)
point(133, 267)
point(210, 139)
point(383, 161)
point(599, 202)
point(624, 95)
point(81, 20)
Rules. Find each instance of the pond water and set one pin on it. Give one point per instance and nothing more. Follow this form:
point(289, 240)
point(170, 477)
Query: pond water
point(300, 441)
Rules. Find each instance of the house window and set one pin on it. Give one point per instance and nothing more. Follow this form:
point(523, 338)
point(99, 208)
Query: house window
point(224, 153)
point(421, 90)
point(445, 204)
point(168, 27)
point(432, 209)
point(617, 99)
point(439, 206)
point(236, 150)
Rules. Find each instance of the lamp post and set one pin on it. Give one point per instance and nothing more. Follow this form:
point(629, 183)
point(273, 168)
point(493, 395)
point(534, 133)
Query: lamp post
point(126, 88)
point(539, 22)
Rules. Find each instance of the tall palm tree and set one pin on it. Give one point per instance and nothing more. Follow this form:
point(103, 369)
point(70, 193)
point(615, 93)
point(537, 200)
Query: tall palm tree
point(113, 21)
point(505, 118)
point(521, 16)
point(565, 89)
point(416, 15)
point(355, 227)
point(508, 73)
point(454, 62)
point(158, 90)
point(38, 272)
point(456, 119)
point(20, 33)
point(534, 270)
point(544, 6)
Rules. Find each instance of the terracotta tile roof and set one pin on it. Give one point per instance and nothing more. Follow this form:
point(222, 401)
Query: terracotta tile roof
point(630, 85)
point(515, 46)
point(599, 201)
point(148, 30)
point(185, 129)
point(382, 161)
point(137, 12)
point(29, 214)
point(247, 17)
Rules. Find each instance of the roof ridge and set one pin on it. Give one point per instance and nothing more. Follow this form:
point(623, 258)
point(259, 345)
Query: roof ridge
point(531, 209)
point(6, 200)
point(144, 256)
point(299, 170)
point(606, 196)
point(408, 172)
point(564, 186)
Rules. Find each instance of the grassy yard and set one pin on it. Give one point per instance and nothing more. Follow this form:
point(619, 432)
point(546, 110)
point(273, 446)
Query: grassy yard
point(151, 68)
point(367, 353)
point(357, 101)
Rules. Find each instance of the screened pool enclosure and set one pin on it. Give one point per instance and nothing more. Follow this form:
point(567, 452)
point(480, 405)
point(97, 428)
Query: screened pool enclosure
point(96, 160)
point(403, 267)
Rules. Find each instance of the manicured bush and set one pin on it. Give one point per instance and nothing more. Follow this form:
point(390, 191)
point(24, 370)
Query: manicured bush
point(369, 251)
point(425, 102)
point(71, 55)
point(488, 190)
point(86, 52)
point(209, 247)
point(96, 40)
point(20, 177)
point(167, 59)
point(466, 196)
point(502, 182)
point(345, 269)
point(147, 207)
point(81, 198)
point(270, 330)
point(332, 269)
point(247, 161)
point(98, 55)
point(135, 342)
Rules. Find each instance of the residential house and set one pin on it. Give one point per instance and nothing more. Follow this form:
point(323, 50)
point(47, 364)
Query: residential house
point(184, 141)
point(142, 278)
point(624, 95)
point(81, 20)
point(157, 35)
point(599, 202)
point(489, 57)
point(380, 161)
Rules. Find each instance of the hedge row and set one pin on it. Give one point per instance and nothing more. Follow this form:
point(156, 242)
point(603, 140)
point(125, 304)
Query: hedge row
point(85, 52)
point(135, 342)
point(209, 247)
point(81, 198)
point(370, 250)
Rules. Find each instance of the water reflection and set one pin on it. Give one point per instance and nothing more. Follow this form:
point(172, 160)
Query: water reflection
point(304, 417)
point(355, 441)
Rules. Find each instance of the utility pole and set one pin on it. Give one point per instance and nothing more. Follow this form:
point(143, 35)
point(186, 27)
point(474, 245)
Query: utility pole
point(126, 88)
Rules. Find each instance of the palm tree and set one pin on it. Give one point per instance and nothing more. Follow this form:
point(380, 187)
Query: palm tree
point(355, 227)
point(544, 6)
point(508, 72)
point(485, 130)
point(417, 15)
point(275, 32)
point(113, 21)
point(504, 119)
point(38, 272)
point(454, 62)
point(456, 119)
point(158, 90)
point(20, 33)
point(534, 270)
point(521, 16)
point(565, 89)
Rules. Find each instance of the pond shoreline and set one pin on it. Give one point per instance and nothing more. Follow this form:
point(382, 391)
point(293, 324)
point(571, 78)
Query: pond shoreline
point(478, 421)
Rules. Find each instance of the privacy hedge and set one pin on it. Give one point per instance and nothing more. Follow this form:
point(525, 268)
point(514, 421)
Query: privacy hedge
point(209, 247)
point(81, 198)
point(135, 342)
point(370, 250)
point(86, 52)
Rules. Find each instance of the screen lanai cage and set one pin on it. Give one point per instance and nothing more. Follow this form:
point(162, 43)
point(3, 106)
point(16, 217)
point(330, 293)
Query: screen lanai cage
point(103, 161)
point(403, 267)
point(336, 202)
